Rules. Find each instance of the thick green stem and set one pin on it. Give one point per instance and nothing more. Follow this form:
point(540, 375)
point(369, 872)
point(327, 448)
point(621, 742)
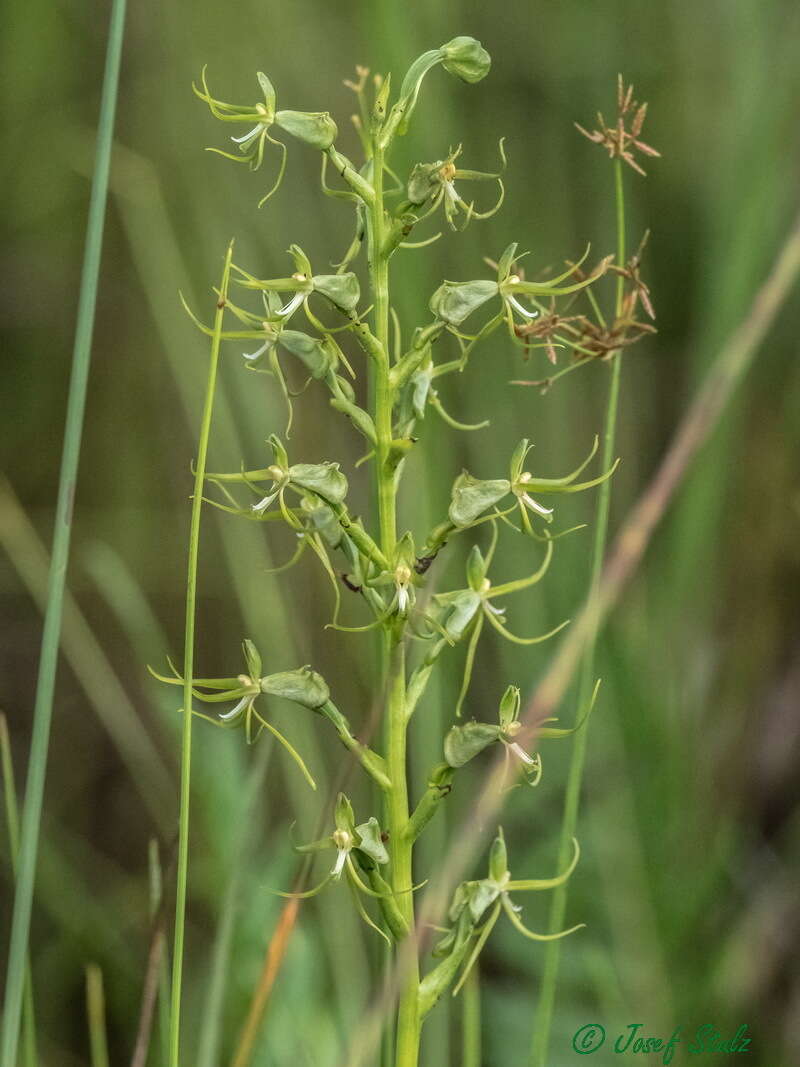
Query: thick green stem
point(558, 904)
point(188, 671)
point(394, 674)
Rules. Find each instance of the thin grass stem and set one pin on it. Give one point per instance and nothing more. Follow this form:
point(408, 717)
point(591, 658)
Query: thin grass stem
point(96, 1012)
point(45, 685)
point(29, 1057)
point(188, 669)
point(558, 903)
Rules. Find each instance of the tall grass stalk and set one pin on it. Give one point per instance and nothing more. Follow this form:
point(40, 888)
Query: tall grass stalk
point(45, 686)
point(29, 1057)
point(188, 667)
point(558, 902)
point(96, 1012)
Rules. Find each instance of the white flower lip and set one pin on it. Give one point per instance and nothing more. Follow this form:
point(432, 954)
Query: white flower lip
point(519, 751)
point(341, 859)
point(248, 136)
point(228, 715)
point(450, 190)
point(264, 502)
point(523, 311)
point(534, 506)
point(293, 304)
point(255, 355)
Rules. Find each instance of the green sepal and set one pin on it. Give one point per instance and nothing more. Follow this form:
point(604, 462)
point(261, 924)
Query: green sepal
point(461, 607)
point(278, 451)
point(316, 128)
point(303, 686)
point(476, 569)
point(251, 658)
point(472, 496)
point(423, 182)
point(323, 521)
point(371, 844)
point(268, 90)
point(302, 264)
point(342, 290)
point(463, 743)
point(466, 58)
point(507, 261)
point(474, 898)
point(509, 707)
point(324, 479)
point(311, 352)
point(455, 301)
point(518, 459)
point(343, 815)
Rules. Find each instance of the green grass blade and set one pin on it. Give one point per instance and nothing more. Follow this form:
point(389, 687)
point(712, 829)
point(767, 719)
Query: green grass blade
point(96, 1011)
point(29, 1058)
point(34, 792)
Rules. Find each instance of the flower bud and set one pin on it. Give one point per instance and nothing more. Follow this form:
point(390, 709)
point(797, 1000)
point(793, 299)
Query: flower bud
point(302, 686)
point(316, 129)
point(476, 569)
point(498, 858)
point(455, 301)
point(466, 58)
point(472, 496)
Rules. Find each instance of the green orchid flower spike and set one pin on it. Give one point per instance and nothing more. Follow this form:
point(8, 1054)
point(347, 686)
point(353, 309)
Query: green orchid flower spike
point(316, 129)
point(304, 334)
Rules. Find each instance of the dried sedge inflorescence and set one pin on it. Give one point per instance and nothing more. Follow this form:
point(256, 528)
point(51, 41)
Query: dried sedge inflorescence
point(622, 139)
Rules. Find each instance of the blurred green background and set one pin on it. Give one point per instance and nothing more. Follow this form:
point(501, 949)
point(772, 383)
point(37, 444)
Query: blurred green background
point(690, 829)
